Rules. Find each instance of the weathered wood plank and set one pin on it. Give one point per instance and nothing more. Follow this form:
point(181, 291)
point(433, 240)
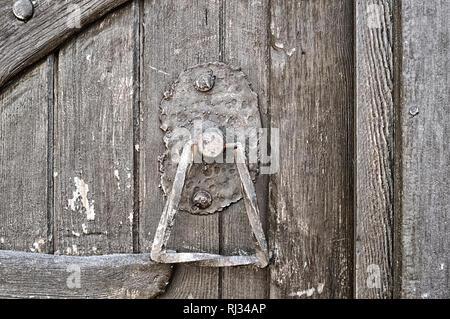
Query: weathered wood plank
point(245, 45)
point(23, 43)
point(311, 99)
point(176, 35)
point(23, 162)
point(28, 275)
point(425, 163)
point(374, 149)
point(94, 139)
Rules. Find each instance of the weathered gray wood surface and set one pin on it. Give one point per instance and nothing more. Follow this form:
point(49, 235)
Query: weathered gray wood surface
point(425, 162)
point(245, 44)
point(31, 275)
point(53, 22)
point(93, 165)
point(374, 125)
point(176, 35)
point(311, 100)
point(23, 162)
point(86, 123)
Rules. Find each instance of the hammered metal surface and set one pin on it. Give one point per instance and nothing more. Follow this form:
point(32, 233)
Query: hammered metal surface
point(230, 103)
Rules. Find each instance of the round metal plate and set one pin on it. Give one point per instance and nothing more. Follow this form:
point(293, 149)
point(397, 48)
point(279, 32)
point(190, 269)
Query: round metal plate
point(225, 99)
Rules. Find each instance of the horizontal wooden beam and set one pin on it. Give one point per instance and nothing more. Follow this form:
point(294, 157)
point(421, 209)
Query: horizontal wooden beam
point(23, 43)
point(29, 275)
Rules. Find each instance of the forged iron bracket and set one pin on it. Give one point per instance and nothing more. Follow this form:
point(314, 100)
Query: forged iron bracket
point(160, 254)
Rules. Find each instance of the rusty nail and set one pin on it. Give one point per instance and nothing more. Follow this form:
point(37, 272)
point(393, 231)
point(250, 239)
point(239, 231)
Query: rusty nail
point(205, 82)
point(202, 199)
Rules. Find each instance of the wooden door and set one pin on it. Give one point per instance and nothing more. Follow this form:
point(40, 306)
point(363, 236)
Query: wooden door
point(353, 93)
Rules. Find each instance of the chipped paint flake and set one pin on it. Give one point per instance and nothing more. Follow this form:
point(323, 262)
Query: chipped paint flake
point(81, 193)
point(136, 147)
point(116, 174)
point(2, 240)
point(158, 70)
point(130, 218)
point(320, 287)
point(291, 51)
point(84, 228)
point(75, 234)
point(37, 246)
point(308, 292)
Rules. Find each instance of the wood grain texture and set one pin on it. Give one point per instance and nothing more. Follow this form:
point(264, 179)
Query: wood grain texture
point(23, 162)
point(425, 165)
point(93, 171)
point(245, 44)
point(28, 275)
point(311, 101)
point(374, 133)
point(53, 22)
point(176, 35)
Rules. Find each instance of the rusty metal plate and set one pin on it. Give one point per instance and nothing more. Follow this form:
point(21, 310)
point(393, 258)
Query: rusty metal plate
point(210, 94)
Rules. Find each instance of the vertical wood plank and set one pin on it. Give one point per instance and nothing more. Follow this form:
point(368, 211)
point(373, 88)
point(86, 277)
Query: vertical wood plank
point(245, 45)
point(311, 200)
point(23, 162)
point(93, 171)
point(425, 163)
point(176, 35)
point(374, 119)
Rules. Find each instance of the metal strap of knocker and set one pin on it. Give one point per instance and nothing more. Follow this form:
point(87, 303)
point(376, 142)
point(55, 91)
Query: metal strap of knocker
point(201, 93)
point(171, 208)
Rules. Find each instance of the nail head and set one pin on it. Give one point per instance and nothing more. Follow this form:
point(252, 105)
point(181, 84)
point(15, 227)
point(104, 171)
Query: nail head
point(23, 9)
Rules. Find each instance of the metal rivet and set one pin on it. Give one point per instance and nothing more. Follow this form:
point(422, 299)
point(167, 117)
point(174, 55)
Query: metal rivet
point(205, 82)
point(202, 199)
point(23, 9)
point(414, 111)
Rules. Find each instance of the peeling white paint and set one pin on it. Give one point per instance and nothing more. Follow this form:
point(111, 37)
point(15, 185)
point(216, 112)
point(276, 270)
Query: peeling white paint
point(442, 266)
point(37, 246)
point(81, 192)
point(2, 240)
point(130, 218)
point(320, 287)
point(116, 174)
point(55, 174)
point(290, 52)
point(75, 234)
point(74, 249)
point(94, 249)
point(308, 292)
point(136, 147)
point(158, 70)
point(84, 227)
